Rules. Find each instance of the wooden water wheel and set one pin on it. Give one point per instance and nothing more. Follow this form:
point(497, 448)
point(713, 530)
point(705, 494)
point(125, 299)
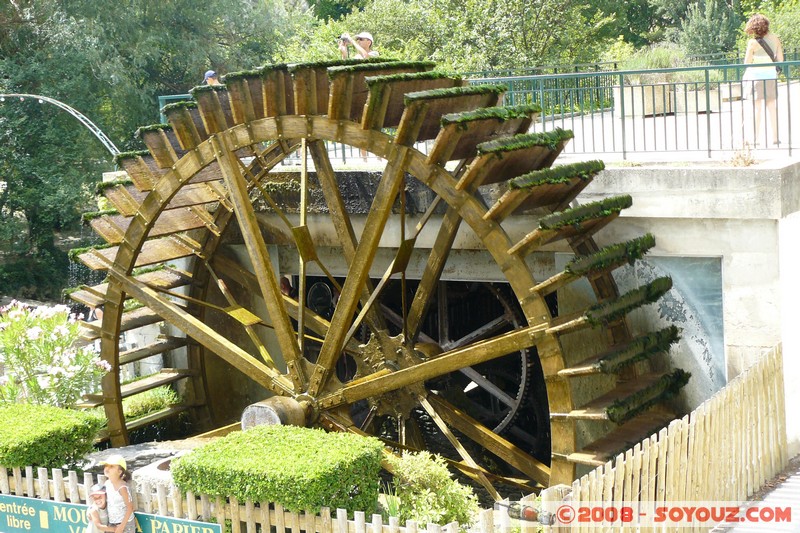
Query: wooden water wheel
point(210, 209)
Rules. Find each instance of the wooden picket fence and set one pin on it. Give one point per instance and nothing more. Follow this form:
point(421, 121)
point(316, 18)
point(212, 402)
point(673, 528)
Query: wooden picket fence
point(164, 499)
point(723, 451)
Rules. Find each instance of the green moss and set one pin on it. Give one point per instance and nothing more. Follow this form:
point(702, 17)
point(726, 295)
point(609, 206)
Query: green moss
point(611, 256)
point(101, 187)
point(593, 210)
point(668, 386)
point(449, 92)
point(243, 74)
point(75, 252)
point(200, 89)
point(601, 314)
point(584, 170)
point(360, 66)
point(338, 63)
point(122, 156)
point(550, 139)
point(639, 349)
point(152, 127)
point(497, 113)
point(185, 104)
point(89, 216)
point(407, 76)
point(145, 270)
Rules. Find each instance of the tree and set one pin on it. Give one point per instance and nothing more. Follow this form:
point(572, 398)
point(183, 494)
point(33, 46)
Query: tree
point(110, 63)
point(710, 27)
point(467, 35)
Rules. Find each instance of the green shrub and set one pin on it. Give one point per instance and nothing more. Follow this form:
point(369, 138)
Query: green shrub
point(299, 468)
point(40, 435)
point(657, 57)
point(428, 493)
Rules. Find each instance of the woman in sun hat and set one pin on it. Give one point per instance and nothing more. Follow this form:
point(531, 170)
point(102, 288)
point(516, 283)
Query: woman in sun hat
point(362, 43)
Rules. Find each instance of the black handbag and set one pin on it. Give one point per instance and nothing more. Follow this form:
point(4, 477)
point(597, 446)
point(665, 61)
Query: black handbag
point(769, 52)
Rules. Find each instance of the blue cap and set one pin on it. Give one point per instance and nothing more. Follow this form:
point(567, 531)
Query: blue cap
point(210, 74)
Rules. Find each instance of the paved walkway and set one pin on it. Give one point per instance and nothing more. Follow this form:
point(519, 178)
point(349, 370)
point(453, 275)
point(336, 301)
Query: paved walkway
point(783, 491)
point(681, 135)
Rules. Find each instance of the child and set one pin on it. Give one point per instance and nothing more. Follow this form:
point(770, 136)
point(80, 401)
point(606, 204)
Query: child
point(118, 495)
point(97, 512)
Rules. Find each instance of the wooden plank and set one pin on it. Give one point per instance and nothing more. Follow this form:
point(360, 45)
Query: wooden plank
point(73, 487)
point(163, 146)
point(633, 491)
point(154, 251)
point(341, 521)
point(683, 446)
point(348, 88)
point(219, 508)
point(159, 347)
point(30, 486)
point(621, 438)
point(618, 490)
point(44, 483)
point(177, 502)
point(661, 467)
point(385, 103)
point(191, 506)
point(164, 278)
point(161, 500)
point(597, 408)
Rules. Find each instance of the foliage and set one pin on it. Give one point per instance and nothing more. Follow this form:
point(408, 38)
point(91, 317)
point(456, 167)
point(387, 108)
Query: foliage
point(428, 493)
point(42, 364)
point(35, 277)
point(710, 27)
point(620, 51)
point(657, 57)
point(334, 9)
point(38, 435)
point(463, 36)
point(784, 20)
point(300, 468)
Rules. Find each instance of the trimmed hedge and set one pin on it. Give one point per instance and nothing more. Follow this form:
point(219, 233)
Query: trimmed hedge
point(299, 468)
point(41, 435)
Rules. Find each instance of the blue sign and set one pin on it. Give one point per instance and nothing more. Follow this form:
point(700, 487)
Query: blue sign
point(29, 515)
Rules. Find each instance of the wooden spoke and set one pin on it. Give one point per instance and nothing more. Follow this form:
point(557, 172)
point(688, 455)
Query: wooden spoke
point(359, 269)
point(443, 364)
point(458, 446)
point(266, 276)
point(203, 334)
point(491, 441)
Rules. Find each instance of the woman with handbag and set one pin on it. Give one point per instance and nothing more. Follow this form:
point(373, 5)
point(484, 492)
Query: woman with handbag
point(761, 80)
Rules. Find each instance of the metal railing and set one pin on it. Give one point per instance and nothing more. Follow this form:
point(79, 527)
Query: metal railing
point(706, 109)
point(702, 110)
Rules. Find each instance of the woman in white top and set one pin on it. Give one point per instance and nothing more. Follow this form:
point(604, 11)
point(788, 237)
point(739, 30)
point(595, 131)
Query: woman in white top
point(762, 80)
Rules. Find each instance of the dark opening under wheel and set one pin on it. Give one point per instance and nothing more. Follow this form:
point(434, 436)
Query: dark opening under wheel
point(207, 201)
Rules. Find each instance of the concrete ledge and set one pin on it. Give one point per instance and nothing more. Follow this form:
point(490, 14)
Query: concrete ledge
point(770, 190)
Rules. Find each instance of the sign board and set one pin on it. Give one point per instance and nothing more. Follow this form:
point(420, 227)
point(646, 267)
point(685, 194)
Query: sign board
point(29, 515)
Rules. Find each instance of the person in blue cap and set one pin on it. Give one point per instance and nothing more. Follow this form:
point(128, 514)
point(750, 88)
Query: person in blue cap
point(211, 78)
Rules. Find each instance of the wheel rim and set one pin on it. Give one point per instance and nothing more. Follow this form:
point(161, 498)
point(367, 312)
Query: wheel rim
point(391, 369)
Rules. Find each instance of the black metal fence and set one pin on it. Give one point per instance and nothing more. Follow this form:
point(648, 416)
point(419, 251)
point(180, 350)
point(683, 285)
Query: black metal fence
point(704, 109)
